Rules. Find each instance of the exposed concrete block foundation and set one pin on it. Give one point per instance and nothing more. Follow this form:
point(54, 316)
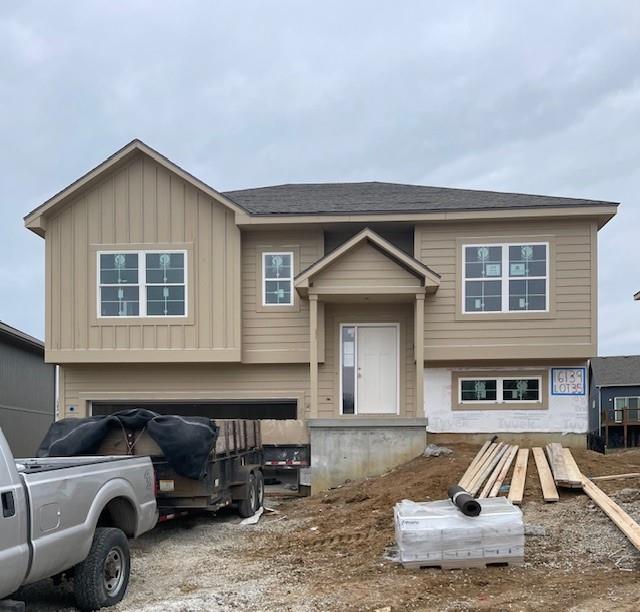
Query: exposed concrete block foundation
point(359, 447)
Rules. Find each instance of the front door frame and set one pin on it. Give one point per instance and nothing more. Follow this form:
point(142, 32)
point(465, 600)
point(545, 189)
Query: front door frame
point(355, 390)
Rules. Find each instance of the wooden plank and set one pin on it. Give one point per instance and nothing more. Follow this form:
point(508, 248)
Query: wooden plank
point(619, 517)
point(516, 490)
point(490, 449)
point(616, 476)
point(495, 473)
point(486, 470)
point(564, 473)
point(575, 476)
point(474, 461)
point(549, 491)
point(503, 472)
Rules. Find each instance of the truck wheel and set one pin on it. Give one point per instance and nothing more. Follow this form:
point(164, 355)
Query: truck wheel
point(259, 490)
point(102, 578)
point(248, 506)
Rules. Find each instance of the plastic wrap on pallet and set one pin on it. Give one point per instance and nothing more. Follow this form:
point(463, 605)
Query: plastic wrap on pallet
point(437, 533)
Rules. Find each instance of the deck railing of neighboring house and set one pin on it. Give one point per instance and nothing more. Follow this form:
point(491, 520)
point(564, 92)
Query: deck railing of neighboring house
point(625, 421)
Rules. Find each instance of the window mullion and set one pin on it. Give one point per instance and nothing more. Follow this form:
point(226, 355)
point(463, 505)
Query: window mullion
point(505, 278)
point(142, 279)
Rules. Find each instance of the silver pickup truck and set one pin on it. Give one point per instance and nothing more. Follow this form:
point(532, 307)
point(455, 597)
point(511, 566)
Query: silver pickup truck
point(72, 516)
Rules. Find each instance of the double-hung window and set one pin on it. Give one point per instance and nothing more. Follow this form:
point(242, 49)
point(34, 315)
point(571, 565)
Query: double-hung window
point(142, 284)
point(500, 390)
point(505, 278)
point(277, 279)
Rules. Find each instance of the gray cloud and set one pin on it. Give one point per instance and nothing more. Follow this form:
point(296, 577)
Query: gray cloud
point(536, 97)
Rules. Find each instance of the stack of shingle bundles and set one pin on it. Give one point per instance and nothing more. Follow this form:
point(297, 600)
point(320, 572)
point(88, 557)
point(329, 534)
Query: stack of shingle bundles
point(437, 534)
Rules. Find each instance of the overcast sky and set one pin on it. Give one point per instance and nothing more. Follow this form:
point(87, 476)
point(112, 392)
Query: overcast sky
point(540, 97)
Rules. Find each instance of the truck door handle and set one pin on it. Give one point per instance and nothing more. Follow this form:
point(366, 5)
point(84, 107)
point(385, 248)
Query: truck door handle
point(8, 504)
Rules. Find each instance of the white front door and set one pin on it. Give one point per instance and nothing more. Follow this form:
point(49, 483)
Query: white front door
point(376, 368)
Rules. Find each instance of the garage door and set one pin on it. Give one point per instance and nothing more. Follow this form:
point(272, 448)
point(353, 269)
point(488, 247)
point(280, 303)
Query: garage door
point(259, 409)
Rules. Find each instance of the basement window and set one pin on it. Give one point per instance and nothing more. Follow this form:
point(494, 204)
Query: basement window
point(142, 284)
point(277, 279)
point(499, 390)
point(505, 278)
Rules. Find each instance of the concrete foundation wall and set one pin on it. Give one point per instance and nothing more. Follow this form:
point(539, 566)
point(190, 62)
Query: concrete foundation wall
point(351, 449)
point(525, 440)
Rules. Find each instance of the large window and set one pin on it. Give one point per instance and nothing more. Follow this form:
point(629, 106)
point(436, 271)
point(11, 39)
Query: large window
point(499, 390)
point(505, 278)
point(277, 279)
point(142, 284)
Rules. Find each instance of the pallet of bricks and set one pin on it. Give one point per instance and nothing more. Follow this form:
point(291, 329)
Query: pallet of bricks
point(556, 467)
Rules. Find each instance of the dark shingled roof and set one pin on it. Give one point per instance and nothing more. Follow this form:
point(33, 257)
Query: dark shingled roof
point(612, 371)
point(374, 197)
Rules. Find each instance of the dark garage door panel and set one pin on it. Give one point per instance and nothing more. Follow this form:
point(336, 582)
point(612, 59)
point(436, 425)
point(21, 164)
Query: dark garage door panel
point(265, 409)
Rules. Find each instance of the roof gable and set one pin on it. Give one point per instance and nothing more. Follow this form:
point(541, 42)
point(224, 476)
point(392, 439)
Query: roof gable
point(614, 371)
point(35, 220)
point(428, 277)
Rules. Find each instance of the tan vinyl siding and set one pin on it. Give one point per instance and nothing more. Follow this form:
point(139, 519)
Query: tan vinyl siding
point(179, 382)
point(364, 266)
point(279, 334)
point(328, 373)
point(567, 331)
point(143, 206)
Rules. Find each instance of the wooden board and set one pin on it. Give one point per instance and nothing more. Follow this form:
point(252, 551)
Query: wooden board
point(573, 471)
point(616, 476)
point(474, 463)
point(503, 472)
point(619, 517)
point(516, 490)
point(562, 474)
point(484, 471)
point(495, 473)
point(482, 461)
point(549, 491)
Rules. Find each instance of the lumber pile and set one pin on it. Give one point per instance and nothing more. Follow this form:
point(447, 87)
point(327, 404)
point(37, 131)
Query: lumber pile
point(565, 471)
point(488, 470)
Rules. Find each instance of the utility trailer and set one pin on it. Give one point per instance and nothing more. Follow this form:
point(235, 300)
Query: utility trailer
point(234, 473)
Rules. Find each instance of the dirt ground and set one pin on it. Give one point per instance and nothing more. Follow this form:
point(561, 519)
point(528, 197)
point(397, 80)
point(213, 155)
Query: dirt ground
point(328, 553)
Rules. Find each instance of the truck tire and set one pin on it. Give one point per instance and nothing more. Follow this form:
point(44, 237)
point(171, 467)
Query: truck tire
point(248, 506)
point(259, 490)
point(101, 580)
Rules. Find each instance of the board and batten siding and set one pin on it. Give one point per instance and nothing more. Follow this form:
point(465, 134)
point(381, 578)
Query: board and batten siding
point(143, 206)
point(276, 334)
point(181, 382)
point(569, 330)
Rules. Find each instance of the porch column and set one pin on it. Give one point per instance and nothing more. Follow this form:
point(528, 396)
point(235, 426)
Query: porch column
point(313, 354)
point(418, 328)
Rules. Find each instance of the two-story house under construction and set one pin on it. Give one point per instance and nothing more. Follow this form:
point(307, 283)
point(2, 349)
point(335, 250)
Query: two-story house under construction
point(368, 315)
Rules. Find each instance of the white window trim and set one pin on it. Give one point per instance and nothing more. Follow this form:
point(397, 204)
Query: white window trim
point(500, 391)
point(265, 279)
point(355, 364)
point(505, 277)
point(142, 284)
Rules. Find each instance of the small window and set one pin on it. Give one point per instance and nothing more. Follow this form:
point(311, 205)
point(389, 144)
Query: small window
point(505, 278)
point(142, 284)
point(479, 390)
point(277, 274)
point(165, 286)
point(521, 390)
point(119, 288)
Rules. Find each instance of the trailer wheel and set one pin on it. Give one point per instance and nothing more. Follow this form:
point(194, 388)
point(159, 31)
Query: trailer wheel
point(101, 580)
point(260, 490)
point(248, 506)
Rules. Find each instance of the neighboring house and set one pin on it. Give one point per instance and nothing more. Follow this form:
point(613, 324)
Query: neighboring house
point(637, 296)
point(615, 400)
point(365, 311)
point(27, 391)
